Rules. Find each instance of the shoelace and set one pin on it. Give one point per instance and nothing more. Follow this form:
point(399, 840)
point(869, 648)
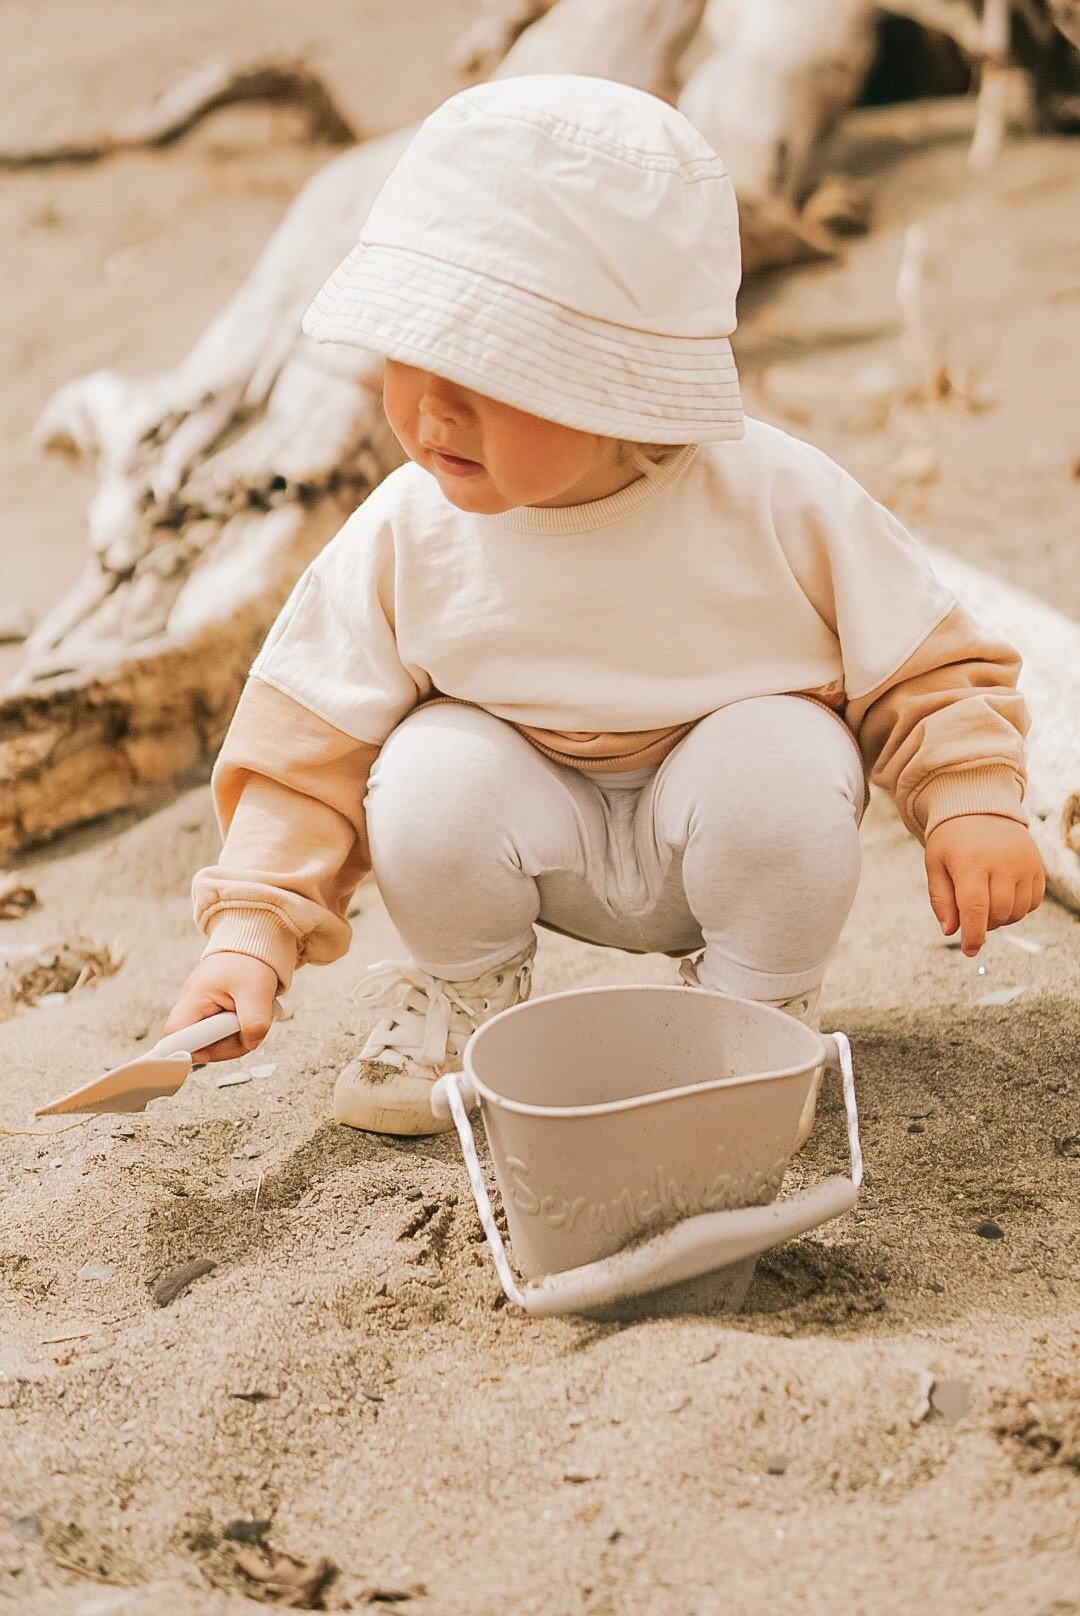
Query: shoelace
point(430, 1019)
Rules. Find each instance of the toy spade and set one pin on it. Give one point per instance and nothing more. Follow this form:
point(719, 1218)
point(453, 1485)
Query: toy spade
point(153, 1076)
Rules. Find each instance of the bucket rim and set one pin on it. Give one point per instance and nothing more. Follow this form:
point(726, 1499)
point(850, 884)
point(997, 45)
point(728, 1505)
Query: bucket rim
point(654, 1096)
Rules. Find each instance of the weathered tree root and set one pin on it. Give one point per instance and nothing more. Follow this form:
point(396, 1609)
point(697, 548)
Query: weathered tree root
point(191, 97)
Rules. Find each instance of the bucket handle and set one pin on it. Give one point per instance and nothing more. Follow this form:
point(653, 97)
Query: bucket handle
point(694, 1246)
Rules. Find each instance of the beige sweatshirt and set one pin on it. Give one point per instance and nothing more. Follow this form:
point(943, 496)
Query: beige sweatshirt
point(603, 632)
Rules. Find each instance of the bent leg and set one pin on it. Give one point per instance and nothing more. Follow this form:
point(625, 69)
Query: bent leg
point(463, 815)
point(763, 800)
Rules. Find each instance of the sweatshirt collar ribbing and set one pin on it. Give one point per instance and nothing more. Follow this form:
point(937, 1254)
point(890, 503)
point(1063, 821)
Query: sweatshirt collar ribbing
point(598, 512)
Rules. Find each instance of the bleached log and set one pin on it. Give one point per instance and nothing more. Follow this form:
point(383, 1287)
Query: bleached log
point(637, 42)
point(781, 74)
point(487, 41)
point(197, 92)
point(1050, 682)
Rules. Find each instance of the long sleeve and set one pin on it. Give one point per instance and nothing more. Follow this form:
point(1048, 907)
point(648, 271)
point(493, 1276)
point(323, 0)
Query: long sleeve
point(325, 691)
point(944, 734)
point(289, 794)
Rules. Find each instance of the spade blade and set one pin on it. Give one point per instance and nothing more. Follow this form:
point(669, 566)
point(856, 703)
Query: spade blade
point(126, 1088)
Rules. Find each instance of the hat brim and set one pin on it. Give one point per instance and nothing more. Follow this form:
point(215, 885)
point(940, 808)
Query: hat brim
point(528, 352)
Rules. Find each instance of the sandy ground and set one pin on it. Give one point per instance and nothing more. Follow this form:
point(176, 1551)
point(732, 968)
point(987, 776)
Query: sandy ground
point(346, 1374)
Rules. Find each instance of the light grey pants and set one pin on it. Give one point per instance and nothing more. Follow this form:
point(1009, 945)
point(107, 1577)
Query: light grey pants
point(744, 839)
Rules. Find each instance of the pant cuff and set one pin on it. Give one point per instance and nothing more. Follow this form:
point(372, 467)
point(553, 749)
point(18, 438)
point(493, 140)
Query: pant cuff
point(473, 968)
point(726, 975)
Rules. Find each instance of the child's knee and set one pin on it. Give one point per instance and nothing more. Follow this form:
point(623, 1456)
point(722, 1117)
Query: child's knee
point(436, 792)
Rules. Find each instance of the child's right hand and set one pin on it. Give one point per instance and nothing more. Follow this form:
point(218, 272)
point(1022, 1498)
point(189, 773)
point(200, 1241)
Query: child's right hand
point(228, 981)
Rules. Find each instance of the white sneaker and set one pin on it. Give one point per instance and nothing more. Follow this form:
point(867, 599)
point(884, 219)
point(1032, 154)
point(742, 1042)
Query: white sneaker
point(804, 1007)
point(387, 1088)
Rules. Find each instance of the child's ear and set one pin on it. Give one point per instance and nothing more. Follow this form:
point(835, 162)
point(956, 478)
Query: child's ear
point(372, 374)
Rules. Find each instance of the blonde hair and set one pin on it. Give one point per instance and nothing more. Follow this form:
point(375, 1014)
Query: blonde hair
point(645, 457)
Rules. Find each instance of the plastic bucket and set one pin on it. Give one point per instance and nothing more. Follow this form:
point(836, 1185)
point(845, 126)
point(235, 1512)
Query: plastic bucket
point(640, 1136)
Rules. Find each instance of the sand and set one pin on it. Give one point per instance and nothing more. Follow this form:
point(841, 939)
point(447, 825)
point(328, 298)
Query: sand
point(344, 1382)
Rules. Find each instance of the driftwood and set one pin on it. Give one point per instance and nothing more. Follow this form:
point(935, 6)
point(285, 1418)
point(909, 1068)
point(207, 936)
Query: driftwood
point(779, 76)
point(192, 96)
point(1050, 646)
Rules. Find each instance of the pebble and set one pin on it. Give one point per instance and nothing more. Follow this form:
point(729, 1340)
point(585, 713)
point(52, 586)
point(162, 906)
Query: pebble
point(372, 1393)
point(990, 1230)
point(232, 1079)
point(123, 1130)
point(96, 1271)
point(1000, 996)
point(28, 1527)
point(177, 1280)
point(580, 1476)
point(951, 1399)
point(266, 1070)
point(776, 1464)
point(247, 1153)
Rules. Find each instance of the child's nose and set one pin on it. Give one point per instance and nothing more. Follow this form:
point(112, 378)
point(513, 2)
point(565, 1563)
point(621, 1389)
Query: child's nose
point(445, 399)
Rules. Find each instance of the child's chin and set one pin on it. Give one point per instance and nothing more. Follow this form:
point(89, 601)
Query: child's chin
point(475, 495)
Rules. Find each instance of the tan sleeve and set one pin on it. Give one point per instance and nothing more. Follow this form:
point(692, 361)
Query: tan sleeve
point(289, 793)
point(945, 734)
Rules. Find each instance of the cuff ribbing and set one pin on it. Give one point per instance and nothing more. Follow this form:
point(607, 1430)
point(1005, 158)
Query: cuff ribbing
point(258, 932)
point(992, 788)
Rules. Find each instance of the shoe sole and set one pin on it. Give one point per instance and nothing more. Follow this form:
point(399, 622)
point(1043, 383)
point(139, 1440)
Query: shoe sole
point(367, 1107)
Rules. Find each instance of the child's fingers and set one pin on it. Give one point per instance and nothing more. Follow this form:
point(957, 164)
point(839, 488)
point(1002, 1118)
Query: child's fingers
point(195, 1007)
point(1003, 902)
point(225, 1049)
point(973, 901)
point(942, 897)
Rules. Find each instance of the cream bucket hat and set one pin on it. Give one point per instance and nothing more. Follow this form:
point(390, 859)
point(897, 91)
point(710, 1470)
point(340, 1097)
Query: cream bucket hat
point(564, 244)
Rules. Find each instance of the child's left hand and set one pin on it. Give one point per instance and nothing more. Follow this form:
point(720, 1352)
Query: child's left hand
point(983, 871)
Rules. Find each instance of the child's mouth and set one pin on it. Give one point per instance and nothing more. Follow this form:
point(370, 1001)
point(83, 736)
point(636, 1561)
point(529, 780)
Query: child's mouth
point(455, 465)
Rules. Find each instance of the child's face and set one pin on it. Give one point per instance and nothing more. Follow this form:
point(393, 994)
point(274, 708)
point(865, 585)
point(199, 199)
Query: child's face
point(504, 457)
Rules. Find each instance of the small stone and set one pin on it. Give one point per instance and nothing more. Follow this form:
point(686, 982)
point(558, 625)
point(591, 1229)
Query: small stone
point(231, 1080)
point(1068, 1146)
point(267, 1069)
point(372, 1393)
point(1000, 996)
point(123, 1130)
point(246, 1153)
point(990, 1230)
point(578, 1477)
point(951, 1399)
point(776, 1464)
point(915, 1127)
point(96, 1271)
point(28, 1527)
point(177, 1280)
point(49, 1001)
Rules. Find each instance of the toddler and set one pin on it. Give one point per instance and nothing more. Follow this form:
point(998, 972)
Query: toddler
point(603, 655)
